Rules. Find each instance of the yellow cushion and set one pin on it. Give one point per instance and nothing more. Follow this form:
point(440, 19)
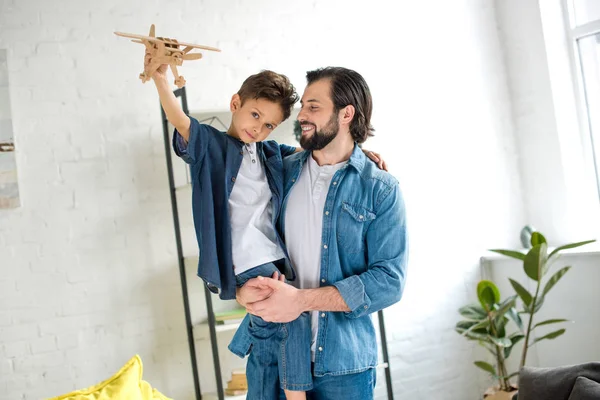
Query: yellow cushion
point(127, 384)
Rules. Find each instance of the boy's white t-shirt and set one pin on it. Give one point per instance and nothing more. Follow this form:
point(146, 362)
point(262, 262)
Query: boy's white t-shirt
point(253, 237)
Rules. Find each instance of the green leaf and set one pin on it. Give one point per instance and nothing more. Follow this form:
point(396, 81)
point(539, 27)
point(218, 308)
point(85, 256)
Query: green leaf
point(549, 321)
point(479, 325)
point(510, 253)
point(535, 261)
point(505, 306)
point(463, 329)
point(552, 281)
point(500, 325)
point(516, 318)
point(537, 238)
point(500, 341)
point(522, 292)
point(473, 312)
point(486, 367)
point(570, 246)
point(551, 335)
point(465, 324)
point(478, 336)
point(514, 339)
point(488, 294)
point(552, 259)
point(539, 302)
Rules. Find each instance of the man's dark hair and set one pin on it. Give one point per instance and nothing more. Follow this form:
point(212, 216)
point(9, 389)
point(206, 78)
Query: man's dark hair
point(270, 86)
point(348, 88)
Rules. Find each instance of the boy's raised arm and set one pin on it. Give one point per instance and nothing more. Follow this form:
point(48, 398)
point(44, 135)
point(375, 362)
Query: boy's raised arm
point(169, 102)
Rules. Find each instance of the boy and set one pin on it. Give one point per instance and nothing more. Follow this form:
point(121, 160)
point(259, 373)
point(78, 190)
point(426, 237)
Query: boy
point(237, 183)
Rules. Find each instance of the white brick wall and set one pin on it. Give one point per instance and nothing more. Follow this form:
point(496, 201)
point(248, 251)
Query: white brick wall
point(88, 271)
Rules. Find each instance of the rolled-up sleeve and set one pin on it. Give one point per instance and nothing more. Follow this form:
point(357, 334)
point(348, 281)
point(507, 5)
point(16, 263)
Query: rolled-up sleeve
point(387, 255)
point(286, 150)
point(192, 151)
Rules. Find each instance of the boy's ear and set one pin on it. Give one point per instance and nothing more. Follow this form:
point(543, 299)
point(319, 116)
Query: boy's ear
point(236, 103)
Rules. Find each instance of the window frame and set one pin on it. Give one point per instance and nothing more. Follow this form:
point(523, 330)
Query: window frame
point(575, 33)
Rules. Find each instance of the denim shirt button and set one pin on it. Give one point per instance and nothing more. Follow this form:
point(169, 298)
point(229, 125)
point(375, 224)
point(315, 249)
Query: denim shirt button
point(293, 180)
point(320, 349)
point(233, 179)
point(366, 307)
point(325, 246)
point(326, 212)
point(323, 280)
point(322, 315)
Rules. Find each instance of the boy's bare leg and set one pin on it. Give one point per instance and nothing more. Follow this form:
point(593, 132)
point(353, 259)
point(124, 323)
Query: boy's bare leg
point(294, 395)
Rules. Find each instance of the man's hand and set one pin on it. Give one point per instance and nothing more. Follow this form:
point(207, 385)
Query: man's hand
point(376, 159)
point(281, 306)
point(252, 292)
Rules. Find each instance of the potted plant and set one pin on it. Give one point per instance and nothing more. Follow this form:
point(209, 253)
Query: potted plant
point(486, 323)
point(536, 264)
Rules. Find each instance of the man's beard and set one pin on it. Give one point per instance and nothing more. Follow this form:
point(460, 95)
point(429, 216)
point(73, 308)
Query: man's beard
point(322, 138)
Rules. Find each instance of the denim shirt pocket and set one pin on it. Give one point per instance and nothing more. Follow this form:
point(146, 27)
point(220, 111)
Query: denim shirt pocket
point(352, 225)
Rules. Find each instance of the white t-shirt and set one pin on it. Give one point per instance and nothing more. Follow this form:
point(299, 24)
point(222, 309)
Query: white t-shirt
point(252, 233)
point(303, 227)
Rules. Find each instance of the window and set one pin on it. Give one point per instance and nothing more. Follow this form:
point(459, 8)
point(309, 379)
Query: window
point(584, 30)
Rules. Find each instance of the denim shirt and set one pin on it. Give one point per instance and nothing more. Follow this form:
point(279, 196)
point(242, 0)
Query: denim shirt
point(215, 159)
point(364, 255)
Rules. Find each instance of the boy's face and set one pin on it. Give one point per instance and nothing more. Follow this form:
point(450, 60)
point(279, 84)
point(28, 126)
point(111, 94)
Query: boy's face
point(255, 119)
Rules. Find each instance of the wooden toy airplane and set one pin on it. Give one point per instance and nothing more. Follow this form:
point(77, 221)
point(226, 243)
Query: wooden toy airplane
point(165, 51)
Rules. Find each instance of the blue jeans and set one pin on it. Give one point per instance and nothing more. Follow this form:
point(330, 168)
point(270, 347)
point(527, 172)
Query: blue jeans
point(280, 355)
point(358, 386)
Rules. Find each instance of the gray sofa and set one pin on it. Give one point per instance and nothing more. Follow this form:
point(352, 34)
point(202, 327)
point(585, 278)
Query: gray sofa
point(574, 382)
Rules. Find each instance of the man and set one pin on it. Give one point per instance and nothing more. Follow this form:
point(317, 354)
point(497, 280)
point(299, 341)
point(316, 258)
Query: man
point(344, 224)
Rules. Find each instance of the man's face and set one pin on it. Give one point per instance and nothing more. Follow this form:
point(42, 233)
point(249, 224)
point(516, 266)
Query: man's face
point(317, 117)
point(255, 119)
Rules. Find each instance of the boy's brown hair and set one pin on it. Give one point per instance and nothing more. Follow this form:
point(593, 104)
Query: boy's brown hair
point(270, 86)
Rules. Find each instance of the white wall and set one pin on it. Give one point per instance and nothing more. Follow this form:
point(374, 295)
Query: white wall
point(561, 199)
point(89, 275)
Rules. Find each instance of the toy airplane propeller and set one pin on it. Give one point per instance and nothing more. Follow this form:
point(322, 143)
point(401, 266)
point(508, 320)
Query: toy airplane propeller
point(165, 51)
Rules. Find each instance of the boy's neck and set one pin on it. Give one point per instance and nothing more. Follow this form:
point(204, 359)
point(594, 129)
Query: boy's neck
point(231, 132)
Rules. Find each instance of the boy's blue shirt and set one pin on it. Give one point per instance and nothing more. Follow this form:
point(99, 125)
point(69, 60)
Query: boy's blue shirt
point(215, 159)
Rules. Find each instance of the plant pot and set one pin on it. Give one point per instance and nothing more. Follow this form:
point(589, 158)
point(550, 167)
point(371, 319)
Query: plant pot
point(494, 393)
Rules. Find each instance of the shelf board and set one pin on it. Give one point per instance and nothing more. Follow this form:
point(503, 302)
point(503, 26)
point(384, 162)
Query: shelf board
point(218, 328)
point(225, 327)
point(183, 188)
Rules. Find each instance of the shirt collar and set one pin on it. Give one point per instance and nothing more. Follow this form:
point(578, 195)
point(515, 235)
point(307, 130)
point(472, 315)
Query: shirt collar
point(357, 159)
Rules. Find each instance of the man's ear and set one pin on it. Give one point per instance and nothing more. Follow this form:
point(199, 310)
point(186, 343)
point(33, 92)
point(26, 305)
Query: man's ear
point(236, 103)
point(346, 115)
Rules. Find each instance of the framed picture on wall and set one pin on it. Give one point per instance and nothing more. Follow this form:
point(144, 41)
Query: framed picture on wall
point(9, 187)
